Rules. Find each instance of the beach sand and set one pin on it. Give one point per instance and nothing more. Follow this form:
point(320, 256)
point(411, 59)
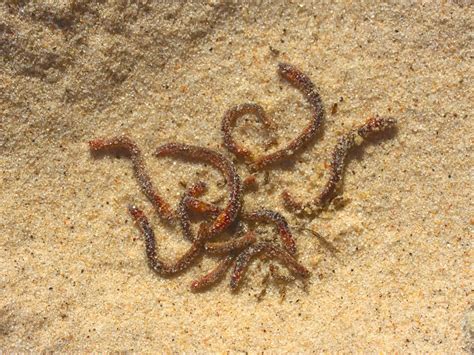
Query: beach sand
point(74, 275)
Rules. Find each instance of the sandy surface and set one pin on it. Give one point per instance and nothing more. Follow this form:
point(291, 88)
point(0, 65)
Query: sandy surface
point(73, 273)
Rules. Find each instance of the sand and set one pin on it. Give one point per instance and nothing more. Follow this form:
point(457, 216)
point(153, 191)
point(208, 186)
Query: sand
point(74, 276)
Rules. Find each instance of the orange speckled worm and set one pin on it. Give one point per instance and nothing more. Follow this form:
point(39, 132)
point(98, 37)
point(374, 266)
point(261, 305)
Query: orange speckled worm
point(280, 222)
point(162, 207)
point(214, 275)
point(339, 154)
point(225, 166)
point(228, 122)
point(302, 82)
point(270, 250)
point(157, 265)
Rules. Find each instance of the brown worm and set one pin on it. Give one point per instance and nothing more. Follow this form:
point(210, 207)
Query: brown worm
point(225, 166)
point(228, 122)
point(123, 142)
point(270, 250)
point(302, 82)
point(160, 267)
point(214, 275)
point(338, 159)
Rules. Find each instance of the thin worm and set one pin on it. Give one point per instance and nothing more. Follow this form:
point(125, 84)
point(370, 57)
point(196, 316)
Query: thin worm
point(302, 82)
point(201, 206)
point(262, 215)
point(162, 207)
point(188, 201)
point(226, 167)
point(277, 276)
point(344, 144)
point(290, 202)
point(231, 245)
point(338, 158)
point(214, 275)
point(271, 251)
point(228, 122)
point(157, 265)
point(183, 209)
point(281, 224)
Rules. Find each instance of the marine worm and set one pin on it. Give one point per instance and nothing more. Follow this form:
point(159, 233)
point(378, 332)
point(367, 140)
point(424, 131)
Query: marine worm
point(201, 206)
point(262, 215)
point(183, 209)
point(281, 224)
point(344, 144)
point(303, 83)
point(160, 267)
point(214, 275)
point(232, 244)
point(225, 166)
point(123, 142)
point(269, 250)
point(228, 123)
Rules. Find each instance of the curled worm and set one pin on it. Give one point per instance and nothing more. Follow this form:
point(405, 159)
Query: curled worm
point(160, 267)
point(214, 275)
point(302, 82)
point(270, 250)
point(344, 144)
point(123, 142)
point(228, 122)
point(225, 166)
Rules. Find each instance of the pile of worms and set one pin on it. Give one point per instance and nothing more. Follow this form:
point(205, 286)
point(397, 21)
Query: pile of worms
point(244, 245)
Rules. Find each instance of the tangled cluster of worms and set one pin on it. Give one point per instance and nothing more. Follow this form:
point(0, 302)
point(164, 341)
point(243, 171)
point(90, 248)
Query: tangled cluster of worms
point(244, 245)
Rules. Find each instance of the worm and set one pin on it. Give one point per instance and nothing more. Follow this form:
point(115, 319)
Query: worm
point(303, 83)
point(344, 144)
point(201, 206)
point(225, 166)
point(262, 215)
point(281, 224)
point(272, 251)
point(228, 123)
point(182, 211)
point(160, 267)
point(231, 245)
point(162, 207)
point(214, 275)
